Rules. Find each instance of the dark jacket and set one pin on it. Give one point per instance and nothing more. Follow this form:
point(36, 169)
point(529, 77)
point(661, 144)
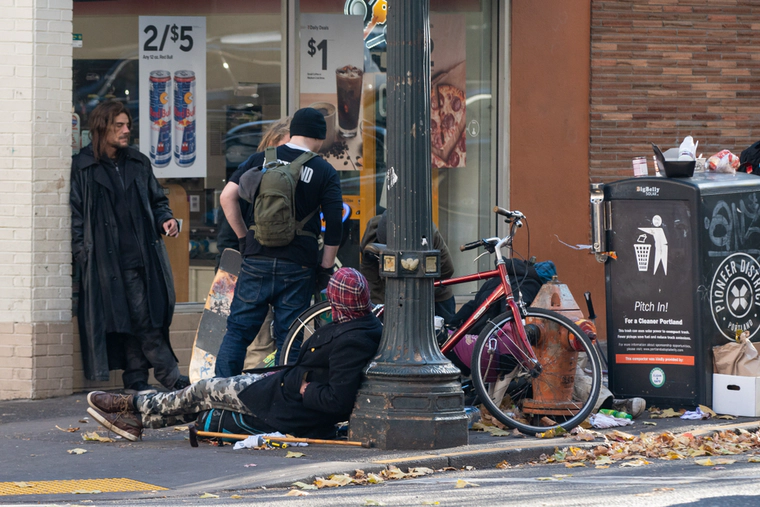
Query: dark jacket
point(371, 270)
point(333, 361)
point(521, 276)
point(103, 306)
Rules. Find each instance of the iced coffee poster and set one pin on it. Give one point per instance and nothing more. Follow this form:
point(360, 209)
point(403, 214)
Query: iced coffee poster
point(448, 112)
point(172, 73)
point(332, 80)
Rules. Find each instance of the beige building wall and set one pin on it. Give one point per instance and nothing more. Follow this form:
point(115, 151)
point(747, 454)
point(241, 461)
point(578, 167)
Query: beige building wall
point(36, 339)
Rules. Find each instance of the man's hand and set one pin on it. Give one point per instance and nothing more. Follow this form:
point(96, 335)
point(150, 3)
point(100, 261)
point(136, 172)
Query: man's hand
point(304, 384)
point(171, 228)
point(323, 277)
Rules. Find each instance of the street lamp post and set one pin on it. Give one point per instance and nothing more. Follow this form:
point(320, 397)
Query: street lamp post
point(412, 398)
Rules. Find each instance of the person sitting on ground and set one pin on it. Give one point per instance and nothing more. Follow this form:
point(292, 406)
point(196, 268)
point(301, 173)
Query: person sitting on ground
point(305, 399)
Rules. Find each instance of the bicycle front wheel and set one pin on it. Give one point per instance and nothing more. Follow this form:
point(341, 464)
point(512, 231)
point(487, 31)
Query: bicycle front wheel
point(560, 390)
point(302, 328)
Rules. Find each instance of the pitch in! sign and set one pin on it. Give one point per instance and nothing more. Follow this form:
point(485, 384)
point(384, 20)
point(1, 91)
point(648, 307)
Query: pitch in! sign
point(735, 296)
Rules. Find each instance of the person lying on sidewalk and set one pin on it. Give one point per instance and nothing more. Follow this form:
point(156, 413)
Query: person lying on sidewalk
point(305, 399)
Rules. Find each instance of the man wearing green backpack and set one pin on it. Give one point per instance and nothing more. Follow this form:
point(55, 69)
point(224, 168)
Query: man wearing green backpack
point(288, 187)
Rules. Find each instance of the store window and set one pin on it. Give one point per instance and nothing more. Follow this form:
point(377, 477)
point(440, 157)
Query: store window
point(240, 88)
point(125, 47)
point(342, 47)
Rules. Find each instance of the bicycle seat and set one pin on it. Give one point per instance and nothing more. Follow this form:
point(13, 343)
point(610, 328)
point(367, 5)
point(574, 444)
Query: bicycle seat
point(374, 249)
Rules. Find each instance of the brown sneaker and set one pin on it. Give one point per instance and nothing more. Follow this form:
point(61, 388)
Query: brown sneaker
point(111, 403)
point(127, 425)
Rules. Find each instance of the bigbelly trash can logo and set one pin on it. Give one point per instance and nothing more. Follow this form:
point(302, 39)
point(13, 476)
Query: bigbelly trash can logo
point(735, 296)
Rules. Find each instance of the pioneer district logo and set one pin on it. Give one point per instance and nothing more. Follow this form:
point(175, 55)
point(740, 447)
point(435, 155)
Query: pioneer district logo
point(735, 296)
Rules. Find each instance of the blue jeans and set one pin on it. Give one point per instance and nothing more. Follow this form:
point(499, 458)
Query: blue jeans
point(263, 281)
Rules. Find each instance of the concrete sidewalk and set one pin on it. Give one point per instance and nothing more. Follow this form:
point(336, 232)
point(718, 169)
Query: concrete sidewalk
point(34, 450)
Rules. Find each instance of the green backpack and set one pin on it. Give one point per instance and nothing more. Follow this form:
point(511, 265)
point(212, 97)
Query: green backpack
point(274, 208)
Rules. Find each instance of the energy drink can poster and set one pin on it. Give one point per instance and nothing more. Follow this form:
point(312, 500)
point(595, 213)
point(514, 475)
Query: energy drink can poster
point(173, 94)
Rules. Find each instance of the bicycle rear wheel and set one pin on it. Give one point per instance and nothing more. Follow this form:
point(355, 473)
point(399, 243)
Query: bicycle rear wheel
point(561, 393)
point(302, 328)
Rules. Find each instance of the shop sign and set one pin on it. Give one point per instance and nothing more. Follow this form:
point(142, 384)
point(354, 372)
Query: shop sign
point(172, 73)
point(332, 81)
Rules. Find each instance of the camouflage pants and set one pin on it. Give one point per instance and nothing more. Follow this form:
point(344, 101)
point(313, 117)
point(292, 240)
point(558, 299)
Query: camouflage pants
point(182, 407)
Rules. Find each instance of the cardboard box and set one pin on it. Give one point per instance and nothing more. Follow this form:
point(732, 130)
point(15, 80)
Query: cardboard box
point(735, 395)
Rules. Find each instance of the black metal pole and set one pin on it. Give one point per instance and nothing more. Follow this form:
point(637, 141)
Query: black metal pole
point(412, 398)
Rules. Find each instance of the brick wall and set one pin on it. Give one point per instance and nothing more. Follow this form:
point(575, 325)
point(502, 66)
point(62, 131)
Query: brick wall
point(36, 338)
point(665, 69)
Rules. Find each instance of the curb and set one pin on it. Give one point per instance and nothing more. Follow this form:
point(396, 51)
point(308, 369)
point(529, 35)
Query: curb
point(482, 456)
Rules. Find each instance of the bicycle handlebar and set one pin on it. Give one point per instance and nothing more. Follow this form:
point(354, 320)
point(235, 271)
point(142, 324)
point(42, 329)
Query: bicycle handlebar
point(470, 246)
point(511, 215)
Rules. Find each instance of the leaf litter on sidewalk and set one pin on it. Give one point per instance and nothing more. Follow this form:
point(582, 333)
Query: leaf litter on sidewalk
point(630, 450)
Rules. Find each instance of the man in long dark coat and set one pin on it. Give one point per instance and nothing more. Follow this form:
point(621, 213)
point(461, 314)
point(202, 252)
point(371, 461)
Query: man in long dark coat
point(126, 298)
point(305, 399)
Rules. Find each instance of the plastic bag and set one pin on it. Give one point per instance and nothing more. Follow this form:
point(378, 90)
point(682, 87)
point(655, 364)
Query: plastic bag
point(723, 162)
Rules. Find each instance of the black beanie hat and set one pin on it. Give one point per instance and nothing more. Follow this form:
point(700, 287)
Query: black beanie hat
point(308, 122)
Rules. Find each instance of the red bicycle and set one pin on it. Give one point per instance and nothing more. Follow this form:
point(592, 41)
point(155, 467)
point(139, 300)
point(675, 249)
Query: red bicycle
point(533, 369)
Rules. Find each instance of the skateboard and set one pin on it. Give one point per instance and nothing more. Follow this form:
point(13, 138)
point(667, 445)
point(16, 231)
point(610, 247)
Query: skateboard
point(213, 324)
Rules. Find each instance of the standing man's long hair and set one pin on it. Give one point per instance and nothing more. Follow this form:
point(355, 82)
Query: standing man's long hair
point(101, 119)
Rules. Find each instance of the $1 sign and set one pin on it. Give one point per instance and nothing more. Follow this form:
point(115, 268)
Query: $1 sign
point(322, 47)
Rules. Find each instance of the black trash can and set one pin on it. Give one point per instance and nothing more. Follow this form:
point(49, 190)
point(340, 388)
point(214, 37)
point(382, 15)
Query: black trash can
point(686, 278)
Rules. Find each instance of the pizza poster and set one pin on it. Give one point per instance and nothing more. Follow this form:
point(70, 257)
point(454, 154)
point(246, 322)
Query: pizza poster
point(652, 345)
point(172, 74)
point(448, 111)
point(332, 81)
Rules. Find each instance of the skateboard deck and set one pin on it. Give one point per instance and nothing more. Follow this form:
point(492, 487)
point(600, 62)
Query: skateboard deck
point(213, 324)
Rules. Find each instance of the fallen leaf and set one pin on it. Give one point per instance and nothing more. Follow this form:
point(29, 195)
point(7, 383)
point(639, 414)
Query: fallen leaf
point(420, 471)
point(726, 416)
point(707, 462)
point(575, 464)
point(431, 502)
point(374, 479)
point(546, 479)
point(297, 492)
point(236, 497)
point(754, 459)
point(208, 495)
point(367, 501)
point(68, 430)
point(24, 484)
point(562, 476)
point(668, 412)
point(707, 410)
point(650, 423)
point(461, 483)
point(294, 454)
point(622, 435)
point(94, 437)
point(76, 451)
point(504, 465)
point(303, 485)
point(725, 461)
point(602, 460)
point(181, 428)
point(393, 472)
point(635, 463)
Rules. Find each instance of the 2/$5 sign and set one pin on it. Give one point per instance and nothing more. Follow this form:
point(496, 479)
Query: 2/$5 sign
point(735, 296)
